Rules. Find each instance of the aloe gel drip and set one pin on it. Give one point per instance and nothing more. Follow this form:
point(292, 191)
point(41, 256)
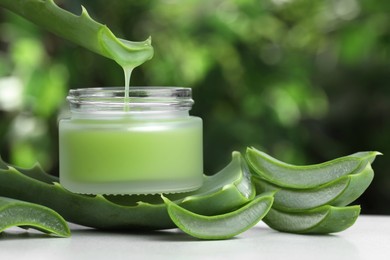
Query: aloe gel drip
point(127, 71)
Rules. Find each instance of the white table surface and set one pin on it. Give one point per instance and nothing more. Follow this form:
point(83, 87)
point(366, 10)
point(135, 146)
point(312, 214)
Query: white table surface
point(368, 238)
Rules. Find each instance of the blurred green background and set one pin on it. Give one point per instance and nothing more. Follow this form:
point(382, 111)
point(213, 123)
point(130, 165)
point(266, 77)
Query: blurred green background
point(306, 81)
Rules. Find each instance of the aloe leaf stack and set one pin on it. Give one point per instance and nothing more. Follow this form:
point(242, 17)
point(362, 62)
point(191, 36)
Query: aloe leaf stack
point(312, 198)
point(289, 198)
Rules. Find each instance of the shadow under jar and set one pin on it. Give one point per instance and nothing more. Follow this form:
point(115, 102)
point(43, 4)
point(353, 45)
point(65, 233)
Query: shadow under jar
point(143, 143)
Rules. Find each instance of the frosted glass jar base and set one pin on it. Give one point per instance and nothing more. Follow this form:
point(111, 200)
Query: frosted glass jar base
point(133, 188)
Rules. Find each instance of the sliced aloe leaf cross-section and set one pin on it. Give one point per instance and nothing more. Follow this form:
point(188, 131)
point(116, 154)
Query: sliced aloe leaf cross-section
point(322, 220)
point(222, 226)
point(15, 213)
point(339, 192)
point(230, 188)
point(307, 176)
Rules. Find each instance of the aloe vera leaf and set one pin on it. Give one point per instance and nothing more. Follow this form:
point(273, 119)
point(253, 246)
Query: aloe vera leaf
point(357, 185)
point(322, 220)
point(222, 226)
point(308, 176)
point(37, 173)
point(127, 212)
point(339, 192)
point(82, 30)
point(24, 214)
point(92, 211)
point(235, 189)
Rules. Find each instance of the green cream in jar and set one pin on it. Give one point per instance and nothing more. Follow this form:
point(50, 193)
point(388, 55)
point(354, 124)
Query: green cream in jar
point(146, 144)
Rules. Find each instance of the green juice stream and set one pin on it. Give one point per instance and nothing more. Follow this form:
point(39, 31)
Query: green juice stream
point(127, 71)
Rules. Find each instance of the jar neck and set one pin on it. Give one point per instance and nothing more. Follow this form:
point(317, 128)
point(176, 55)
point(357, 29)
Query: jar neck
point(130, 115)
point(139, 102)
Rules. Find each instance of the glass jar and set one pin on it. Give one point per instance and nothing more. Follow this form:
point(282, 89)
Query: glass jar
point(143, 143)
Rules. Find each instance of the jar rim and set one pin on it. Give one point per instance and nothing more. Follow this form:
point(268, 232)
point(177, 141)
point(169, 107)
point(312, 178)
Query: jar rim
point(149, 98)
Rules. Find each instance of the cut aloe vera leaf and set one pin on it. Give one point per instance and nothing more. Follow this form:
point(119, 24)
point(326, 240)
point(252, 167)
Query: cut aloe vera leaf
point(222, 226)
point(308, 176)
point(358, 184)
point(339, 192)
point(15, 213)
point(322, 220)
point(82, 30)
point(36, 172)
point(224, 191)
point(229, 189)
point(92, 211)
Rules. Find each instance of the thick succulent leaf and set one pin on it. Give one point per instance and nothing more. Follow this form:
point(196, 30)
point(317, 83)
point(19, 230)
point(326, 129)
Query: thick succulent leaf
point(222, 226)
point(24, 214)
point(82, 30)
point(339, 192)
point(234, 188)
point(322, 220)
point(308, 176)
